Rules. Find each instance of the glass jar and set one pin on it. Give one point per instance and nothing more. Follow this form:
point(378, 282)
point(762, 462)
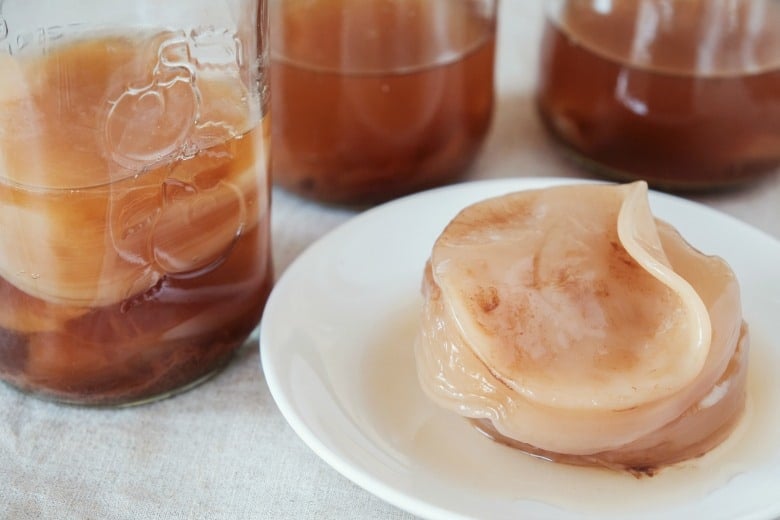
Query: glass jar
point(134, 193)
point(682, 93)
point(378, 98)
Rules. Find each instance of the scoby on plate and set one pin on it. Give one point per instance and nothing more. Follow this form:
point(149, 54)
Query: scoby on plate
point(570, 323)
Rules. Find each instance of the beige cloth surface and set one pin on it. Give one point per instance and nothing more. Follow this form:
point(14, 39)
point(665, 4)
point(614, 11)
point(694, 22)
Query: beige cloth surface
point(222, 450)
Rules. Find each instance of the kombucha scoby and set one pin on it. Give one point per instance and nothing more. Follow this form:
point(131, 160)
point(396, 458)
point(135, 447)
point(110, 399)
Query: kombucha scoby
point(134, 236)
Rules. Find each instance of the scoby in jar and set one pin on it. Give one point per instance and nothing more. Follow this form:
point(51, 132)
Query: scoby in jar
point(572, 324)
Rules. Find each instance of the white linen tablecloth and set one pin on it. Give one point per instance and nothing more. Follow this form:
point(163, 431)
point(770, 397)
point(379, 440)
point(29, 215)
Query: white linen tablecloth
point(222, 450)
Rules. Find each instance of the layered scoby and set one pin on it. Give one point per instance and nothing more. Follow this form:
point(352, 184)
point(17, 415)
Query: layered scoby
point(571, 323)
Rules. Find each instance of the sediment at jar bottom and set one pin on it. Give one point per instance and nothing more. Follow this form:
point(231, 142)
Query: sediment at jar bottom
point(143, 347)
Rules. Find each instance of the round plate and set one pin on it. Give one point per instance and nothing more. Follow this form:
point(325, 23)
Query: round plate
point(337, 350)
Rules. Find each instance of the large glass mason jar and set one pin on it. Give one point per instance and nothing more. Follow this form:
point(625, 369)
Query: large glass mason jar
point(682, 93)
point(374, 99)
point(134, 193)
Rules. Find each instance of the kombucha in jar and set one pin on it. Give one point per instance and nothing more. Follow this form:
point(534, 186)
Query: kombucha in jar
point(684, 94)
point(134, 214)
point(378, 98)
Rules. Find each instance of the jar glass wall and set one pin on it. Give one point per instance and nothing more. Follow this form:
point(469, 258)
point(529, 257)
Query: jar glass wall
point(682, 93)
point(378, 98)
point(134, 193)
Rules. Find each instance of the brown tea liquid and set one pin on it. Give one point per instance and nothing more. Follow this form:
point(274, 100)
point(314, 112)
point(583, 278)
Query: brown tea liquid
point(124, 278)
point(374, 99)
point(677, 104)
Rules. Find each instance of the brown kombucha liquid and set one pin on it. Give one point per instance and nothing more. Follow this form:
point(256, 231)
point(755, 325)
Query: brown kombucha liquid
point(126, 273)
point(374, 99)
point(680, 111)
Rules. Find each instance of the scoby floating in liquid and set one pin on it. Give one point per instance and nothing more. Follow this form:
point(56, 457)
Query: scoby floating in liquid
point(570, 323)
point(134, 214)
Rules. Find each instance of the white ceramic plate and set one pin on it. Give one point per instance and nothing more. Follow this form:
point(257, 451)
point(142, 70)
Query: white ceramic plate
point(336, 343)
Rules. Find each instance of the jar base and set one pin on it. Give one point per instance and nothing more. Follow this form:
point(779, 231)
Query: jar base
point(127, 400)
point(746, 177)
point(604, 171)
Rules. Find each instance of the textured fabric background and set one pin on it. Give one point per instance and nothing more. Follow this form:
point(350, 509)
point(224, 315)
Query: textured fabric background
point(222, 450)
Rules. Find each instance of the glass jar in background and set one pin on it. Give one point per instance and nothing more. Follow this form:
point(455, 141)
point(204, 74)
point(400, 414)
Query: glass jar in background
point(682, 93)
point(134, 193)
point(377, 98)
